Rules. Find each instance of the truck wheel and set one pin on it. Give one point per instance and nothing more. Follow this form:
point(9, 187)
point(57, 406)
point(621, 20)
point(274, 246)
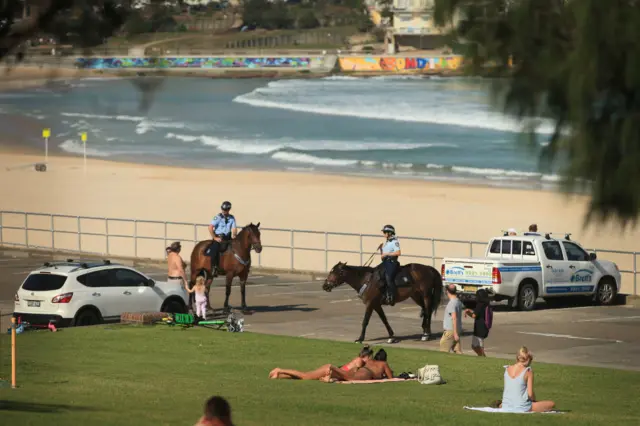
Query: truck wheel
point(606, 292)
point(527, 296)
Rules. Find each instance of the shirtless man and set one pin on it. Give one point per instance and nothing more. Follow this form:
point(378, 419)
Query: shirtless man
point(175, 264)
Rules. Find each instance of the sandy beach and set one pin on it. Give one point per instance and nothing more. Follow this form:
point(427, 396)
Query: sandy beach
point(286, 200)
point(289, 201)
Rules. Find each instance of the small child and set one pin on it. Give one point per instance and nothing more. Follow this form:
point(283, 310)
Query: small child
point(483, 320)
point(201, 297)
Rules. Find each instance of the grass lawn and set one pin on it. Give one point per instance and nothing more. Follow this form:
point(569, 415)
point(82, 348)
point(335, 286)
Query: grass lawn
point(130, 375)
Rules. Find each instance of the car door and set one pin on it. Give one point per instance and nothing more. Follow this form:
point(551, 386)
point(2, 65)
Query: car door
point(100, 292)
point(130, 287)
point(556, 270)
point(584, 274)
point(140, 296)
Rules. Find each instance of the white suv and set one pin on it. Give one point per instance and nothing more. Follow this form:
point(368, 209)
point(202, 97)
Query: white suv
point(86, 293)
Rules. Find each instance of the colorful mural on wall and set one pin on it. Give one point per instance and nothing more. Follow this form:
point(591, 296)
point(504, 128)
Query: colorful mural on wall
point(194, 62)
point(399, 64)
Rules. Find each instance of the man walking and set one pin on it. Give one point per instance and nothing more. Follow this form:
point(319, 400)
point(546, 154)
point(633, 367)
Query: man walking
point(452, 324)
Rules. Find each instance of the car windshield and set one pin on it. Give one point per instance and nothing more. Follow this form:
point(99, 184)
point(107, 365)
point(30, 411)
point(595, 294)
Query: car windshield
point(44, 282)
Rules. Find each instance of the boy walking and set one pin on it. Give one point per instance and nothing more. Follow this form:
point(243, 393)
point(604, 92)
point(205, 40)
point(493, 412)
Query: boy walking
point(482, 321)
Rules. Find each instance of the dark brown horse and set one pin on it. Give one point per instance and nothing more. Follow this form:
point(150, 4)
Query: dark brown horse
point(421, 283)
point(234, 262)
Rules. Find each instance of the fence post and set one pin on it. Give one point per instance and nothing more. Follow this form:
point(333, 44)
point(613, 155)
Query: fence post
point(135, 238)
point(326, 252)
point(195, 234)
point(26, 230)
point(433, 252)
point(53, 233)
point(470, 249)
point(79, 234)
point(360, 249)
point(1, 228)
point(165, 239)
point(635, 273)
point(292, 245)
point(106, 229)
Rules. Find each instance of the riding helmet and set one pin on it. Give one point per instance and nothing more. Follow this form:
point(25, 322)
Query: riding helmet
point(389, 228)
point(226, 205)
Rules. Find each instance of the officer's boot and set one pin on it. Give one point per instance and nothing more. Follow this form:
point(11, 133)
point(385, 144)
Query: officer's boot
point(391, 291)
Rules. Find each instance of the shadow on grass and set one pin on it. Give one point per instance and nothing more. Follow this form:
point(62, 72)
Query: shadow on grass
point(31, 407)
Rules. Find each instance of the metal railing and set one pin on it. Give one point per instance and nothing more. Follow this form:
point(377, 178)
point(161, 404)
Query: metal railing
point(47, 237)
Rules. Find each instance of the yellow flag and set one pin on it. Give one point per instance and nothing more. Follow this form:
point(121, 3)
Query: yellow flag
point(83, 136)
point(46, 133)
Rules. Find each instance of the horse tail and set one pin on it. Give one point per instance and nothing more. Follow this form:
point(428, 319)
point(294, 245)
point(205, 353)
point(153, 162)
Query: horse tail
point(436, 291)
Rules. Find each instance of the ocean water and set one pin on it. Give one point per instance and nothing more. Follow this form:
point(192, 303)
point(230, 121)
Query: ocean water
point(397, 127)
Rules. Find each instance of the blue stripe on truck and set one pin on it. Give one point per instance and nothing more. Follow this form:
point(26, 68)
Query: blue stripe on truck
point(520, 269)
point(463, 281)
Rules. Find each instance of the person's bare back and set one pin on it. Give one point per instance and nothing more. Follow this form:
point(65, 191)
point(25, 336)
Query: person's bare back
point(373, 370)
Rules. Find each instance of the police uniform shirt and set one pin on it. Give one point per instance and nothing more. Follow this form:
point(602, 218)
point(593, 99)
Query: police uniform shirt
point(391, 245)
point(223, 225)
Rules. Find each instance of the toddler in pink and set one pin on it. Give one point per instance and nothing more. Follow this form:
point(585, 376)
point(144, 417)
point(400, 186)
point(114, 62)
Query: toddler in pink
point(201, 297)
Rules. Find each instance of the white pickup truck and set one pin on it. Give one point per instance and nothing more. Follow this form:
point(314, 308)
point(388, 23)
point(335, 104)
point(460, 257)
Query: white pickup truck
point(522, 268)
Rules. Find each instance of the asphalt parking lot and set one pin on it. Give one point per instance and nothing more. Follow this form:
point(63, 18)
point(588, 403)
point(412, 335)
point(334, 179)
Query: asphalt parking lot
point(296, 305)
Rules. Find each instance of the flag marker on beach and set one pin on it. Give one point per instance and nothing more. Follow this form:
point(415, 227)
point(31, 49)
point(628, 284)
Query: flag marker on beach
point(46, 133)
point(83, 137)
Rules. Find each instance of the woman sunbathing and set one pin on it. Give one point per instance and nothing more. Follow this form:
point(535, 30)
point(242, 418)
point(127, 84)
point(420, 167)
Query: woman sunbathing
point(371, 369)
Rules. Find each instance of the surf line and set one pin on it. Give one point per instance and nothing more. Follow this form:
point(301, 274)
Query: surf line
point(568, 336)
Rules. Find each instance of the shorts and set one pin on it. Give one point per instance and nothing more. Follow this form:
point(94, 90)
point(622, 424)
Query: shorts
point(477, 342)
point(447, 343)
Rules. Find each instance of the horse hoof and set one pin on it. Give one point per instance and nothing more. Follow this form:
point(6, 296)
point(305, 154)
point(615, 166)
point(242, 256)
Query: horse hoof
point(392, 340)
point(358, 341)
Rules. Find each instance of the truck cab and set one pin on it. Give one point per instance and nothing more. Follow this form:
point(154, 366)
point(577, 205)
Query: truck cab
point(522, 268)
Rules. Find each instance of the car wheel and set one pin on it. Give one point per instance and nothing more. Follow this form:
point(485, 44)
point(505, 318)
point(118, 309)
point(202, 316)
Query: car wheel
point(86, 317)
point(527, 297)
point(606, 292)
point(173, 307)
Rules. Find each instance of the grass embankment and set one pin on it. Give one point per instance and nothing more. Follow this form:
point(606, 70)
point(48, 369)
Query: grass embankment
point(127, 375)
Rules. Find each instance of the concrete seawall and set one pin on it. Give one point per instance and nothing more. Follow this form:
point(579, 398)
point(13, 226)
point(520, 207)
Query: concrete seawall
point(300, 63)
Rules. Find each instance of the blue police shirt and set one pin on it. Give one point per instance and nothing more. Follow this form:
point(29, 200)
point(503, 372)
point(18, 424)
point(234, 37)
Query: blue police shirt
point(223, 225)
point(391, 245)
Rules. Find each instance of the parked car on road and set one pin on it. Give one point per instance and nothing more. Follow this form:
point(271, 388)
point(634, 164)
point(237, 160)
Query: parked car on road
point(85, 293)
point(522, 268)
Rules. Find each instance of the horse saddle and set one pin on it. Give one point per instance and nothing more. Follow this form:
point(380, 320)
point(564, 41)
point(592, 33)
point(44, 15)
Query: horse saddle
point(403, 278)
point(224, 247)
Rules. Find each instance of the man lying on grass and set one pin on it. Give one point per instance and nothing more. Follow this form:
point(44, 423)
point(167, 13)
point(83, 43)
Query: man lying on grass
point(372, 369)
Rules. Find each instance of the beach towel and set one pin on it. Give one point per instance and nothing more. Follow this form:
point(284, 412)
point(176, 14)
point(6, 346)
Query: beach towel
point(395, 379)
point(500, 410)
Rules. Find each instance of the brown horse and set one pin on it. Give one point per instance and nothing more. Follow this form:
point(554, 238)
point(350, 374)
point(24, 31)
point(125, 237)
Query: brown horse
point(421, 283)
point(235, 261)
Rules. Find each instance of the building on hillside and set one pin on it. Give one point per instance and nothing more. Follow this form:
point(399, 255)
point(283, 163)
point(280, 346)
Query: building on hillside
point(413, 25)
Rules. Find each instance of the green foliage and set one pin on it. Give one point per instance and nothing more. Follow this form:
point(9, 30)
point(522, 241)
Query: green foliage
point(267, 15)
point(308, 20)
point(576, 63)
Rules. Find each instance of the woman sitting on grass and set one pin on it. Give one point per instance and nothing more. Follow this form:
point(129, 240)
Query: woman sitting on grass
point(518, 395)
point(371, 369)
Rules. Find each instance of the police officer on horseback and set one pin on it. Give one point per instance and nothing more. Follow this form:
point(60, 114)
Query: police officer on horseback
point(222, 228)
point(390, 251)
